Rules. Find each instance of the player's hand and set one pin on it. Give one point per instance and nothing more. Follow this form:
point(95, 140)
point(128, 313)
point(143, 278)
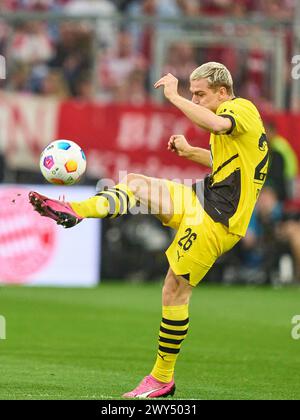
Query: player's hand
point(179, 145)
point(170, 84)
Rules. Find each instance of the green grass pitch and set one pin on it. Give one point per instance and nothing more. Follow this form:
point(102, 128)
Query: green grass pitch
point(99, 343)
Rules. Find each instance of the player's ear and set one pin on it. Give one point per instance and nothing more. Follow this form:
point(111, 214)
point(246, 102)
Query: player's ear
point(222, 92)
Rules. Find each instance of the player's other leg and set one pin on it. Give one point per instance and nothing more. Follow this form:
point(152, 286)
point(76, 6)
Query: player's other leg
point(197, 245)
point(173, 330)
point(113, 202)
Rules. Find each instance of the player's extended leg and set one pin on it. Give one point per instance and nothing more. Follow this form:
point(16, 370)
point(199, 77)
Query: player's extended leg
point(173, 330)
point(110, 203)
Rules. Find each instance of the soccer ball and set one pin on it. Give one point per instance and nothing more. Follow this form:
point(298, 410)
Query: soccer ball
point(63, 162)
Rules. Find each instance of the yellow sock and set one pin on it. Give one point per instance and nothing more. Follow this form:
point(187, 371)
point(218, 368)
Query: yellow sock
point(110, 203)
point(173, 330)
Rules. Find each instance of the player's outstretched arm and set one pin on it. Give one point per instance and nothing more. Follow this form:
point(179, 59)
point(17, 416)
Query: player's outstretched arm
point(179, 145)
point(199, 115)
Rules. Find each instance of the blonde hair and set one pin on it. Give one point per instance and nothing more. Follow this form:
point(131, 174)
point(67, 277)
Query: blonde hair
point(216, 74)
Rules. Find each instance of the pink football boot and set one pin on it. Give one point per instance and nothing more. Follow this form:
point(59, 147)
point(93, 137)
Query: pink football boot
point(152, 388)
point(61, 212)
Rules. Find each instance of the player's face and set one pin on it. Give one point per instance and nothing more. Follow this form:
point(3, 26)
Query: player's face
point(205, 96)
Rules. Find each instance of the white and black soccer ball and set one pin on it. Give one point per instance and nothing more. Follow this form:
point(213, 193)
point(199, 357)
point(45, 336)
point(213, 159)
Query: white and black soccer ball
point(63, 162)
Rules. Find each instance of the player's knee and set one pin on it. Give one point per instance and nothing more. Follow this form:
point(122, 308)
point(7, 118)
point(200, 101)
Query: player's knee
point(138, 184)
point(169, 295)
point(175, 292)
point(131, 177)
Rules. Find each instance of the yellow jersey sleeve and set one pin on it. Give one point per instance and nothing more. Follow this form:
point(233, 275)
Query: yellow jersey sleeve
point(237, 113)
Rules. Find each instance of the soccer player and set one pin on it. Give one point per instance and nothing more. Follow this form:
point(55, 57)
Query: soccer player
point(210, 217)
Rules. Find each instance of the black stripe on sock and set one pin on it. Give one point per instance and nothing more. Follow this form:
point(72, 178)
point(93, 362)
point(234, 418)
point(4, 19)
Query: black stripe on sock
point(172, 332)
point(168, 350)
point(137, 201)
point(126, 196)
point(170, 340)
point(121, 200)
point(112, 203)
point(176, 323)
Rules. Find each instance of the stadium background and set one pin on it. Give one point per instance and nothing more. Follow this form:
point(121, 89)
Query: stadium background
point(84, 70)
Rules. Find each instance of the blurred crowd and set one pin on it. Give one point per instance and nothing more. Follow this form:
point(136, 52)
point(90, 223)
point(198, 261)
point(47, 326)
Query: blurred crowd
point(112, 61)
point(272, 8)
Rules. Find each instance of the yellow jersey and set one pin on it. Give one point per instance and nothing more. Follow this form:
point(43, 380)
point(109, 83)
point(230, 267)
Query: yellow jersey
point(240, 164)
